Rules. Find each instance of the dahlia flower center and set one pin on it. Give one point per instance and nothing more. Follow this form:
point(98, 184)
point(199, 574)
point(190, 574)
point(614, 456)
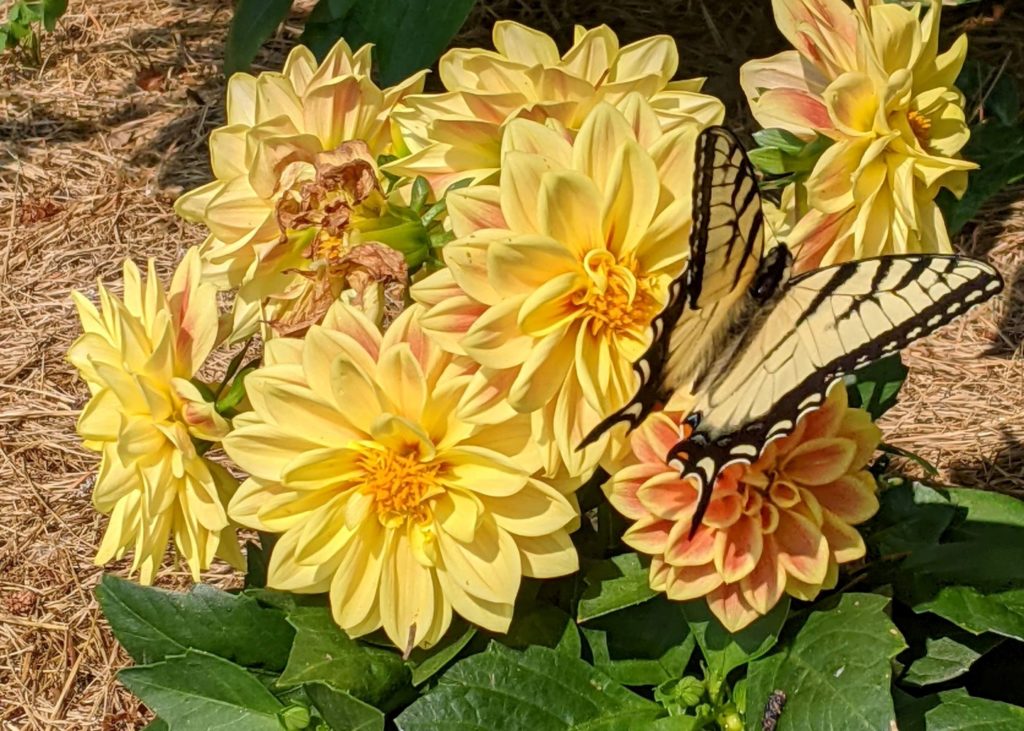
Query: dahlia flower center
point(762, 495)
point(401, 486)
point(615, 298)
point(920, 125)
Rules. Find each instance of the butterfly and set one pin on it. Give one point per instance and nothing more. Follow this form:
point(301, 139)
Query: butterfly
point(758, 347)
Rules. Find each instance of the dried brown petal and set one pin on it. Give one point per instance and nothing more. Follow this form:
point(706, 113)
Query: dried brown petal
point(369, 265)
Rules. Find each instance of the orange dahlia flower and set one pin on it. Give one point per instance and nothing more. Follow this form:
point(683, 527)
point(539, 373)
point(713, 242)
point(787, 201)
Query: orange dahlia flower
point(780, 525)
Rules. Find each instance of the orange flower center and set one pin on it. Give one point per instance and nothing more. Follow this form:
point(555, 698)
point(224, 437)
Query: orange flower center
point(401, 486)
point(615, 298)
point(920, 125)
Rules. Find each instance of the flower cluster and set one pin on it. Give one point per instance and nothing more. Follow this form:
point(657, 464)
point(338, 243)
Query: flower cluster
point(871, 80)
point(451, 290)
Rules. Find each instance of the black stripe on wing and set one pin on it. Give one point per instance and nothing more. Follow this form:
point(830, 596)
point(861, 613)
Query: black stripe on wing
point(720, 161)
point(702, 458)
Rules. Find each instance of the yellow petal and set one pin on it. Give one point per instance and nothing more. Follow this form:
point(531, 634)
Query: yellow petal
point(544, 371)
point(494, 340)
point(481, 470)
point(524, 45)
point(545, 557)
point(604, 131)
point(630, 199)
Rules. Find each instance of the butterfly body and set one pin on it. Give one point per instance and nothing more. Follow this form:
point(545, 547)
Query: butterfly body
point(757, 348)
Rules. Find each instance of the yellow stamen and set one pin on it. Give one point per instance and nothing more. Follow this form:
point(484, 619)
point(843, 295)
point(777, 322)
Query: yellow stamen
point(920, 125)
point(616, 299)
point(401, 486)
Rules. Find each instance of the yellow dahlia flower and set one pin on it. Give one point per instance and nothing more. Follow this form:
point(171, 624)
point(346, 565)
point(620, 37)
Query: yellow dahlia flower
point(556, 273)
point(384, 494)
point(145, 417)
point(296, 183)
point(871, 79)
point(780, 525)
point(457, 134)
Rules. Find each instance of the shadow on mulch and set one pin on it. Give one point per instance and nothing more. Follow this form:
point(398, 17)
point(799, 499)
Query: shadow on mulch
point(1000, 472)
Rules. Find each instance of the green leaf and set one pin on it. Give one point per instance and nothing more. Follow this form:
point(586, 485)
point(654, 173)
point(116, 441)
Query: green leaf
point(545, 625)
point(781, 139)
point(911, 516)
point(323, 653)
point(420, 191)
point(958, 711)
point(52, 11)
point(427, 663)
point(408, 35)
point(257, 560)
point(623, 645)
point(342, 711)
point(153, 623)
point(157, 724)
point(768, 160)
point(201, 691)
point(614, 584)
point(999, 151)
point(725, 651)
point(539, 689)
point(782, 153)
point(235, 393)
point(253, 23)
point(946, 658)
point(999, 612)
point(835, 669)
point(877, 385)
point(972, 576)
point(24, 13)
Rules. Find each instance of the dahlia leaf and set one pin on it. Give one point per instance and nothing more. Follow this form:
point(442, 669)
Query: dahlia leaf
point(877, 385)
point(958, 711)
point(540, 689)
point(971, 575)
point(835, 669)
point(253, 23)
point(408, 35)
point(199, 686)
point(428, 663)
point(911, 515)
point(725, 651)
point(545, 625)
point(152, 623)
point(614, 584)
point(342, 711)
point(623, 646)
point(323, 653)
point(946, 658)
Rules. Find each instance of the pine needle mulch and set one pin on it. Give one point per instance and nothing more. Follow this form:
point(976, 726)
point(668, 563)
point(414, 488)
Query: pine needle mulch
point(97, 142)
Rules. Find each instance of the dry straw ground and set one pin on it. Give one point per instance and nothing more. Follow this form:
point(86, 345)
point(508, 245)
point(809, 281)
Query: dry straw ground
point(95, 144)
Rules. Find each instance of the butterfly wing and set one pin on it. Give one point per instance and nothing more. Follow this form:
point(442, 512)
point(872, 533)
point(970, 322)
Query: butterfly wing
point(726, 244)
point(825, 324)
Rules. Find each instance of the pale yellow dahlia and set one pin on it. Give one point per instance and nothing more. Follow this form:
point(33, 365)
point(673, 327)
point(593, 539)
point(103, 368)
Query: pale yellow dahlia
point(456, 135)
point(146, 417)
point(779, 526)
point(872, 80)
point(556, 273)
point(296, 184)
point(386, 497)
